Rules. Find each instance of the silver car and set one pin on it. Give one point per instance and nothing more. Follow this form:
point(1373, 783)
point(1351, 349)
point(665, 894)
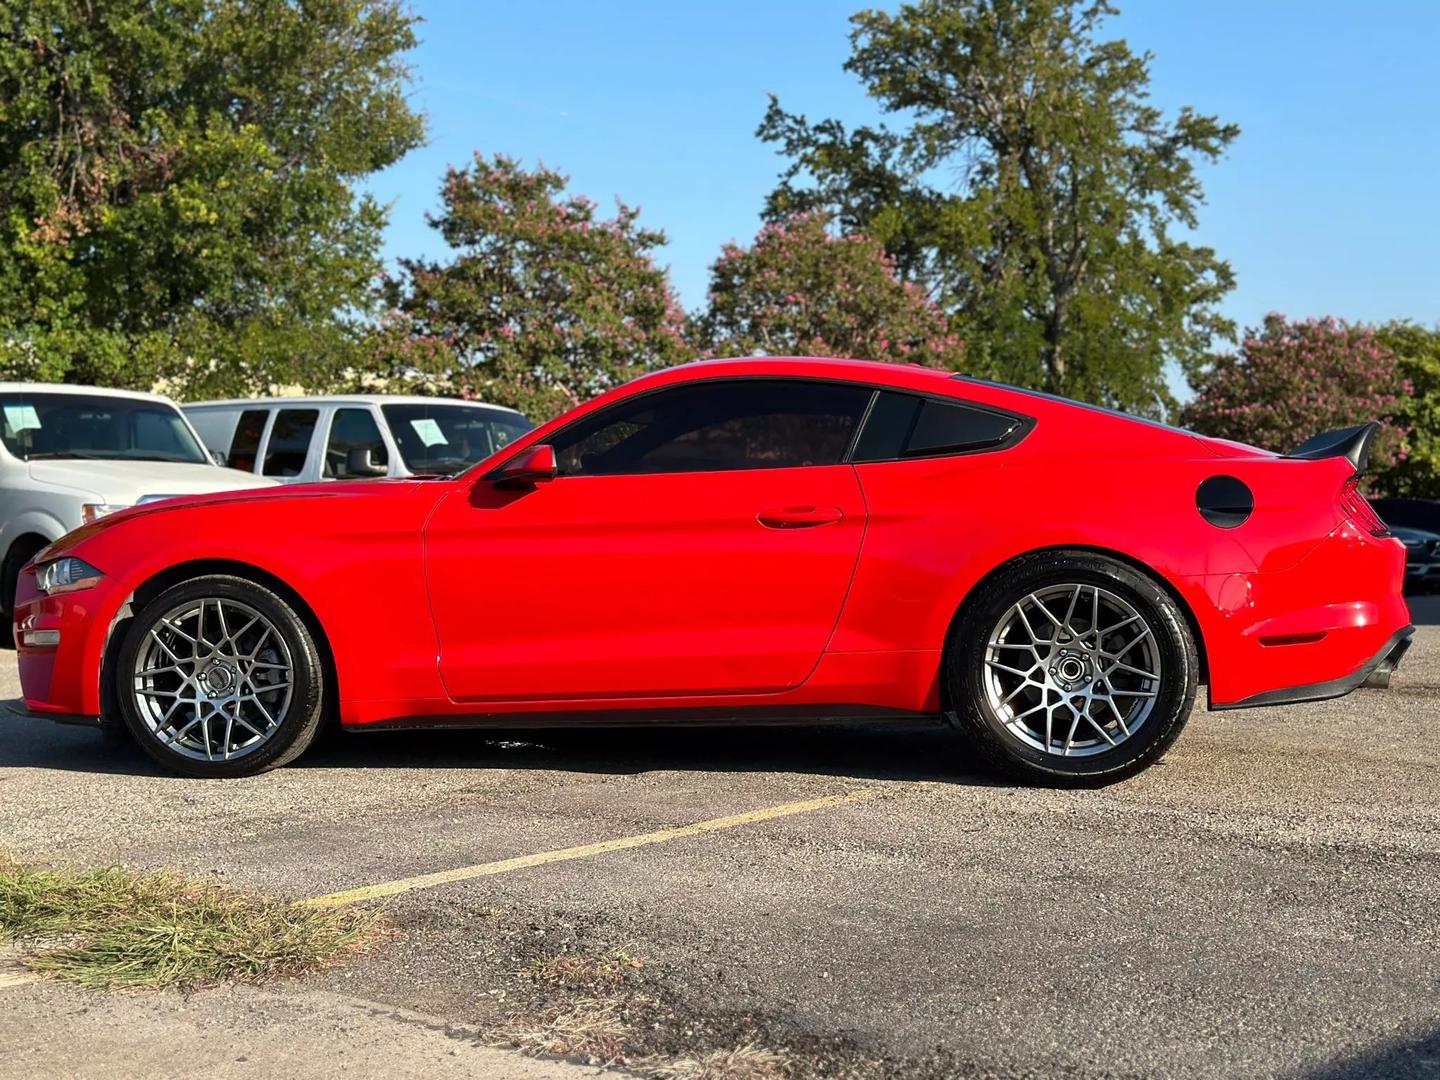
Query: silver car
point(71, 454)
point(308, 439)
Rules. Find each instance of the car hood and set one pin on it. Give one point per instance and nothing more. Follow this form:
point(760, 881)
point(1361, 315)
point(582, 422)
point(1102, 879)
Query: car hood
point(267, 508)
point(127, 482)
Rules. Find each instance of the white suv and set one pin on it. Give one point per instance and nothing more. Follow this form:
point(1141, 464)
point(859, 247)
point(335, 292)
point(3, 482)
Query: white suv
point(71, 454)
point(308, 439)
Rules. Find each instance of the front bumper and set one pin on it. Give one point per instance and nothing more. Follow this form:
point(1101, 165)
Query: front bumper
point(62, 680)
point(27, 713)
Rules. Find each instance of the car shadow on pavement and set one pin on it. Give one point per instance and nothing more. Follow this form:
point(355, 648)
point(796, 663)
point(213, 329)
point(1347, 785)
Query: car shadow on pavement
point(1402, 1058)
point(899, 751)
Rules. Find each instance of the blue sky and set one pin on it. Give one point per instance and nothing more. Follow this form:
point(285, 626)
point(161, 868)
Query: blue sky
point(1329, 203)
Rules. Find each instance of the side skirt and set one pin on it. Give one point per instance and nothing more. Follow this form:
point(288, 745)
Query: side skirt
point(759, 716)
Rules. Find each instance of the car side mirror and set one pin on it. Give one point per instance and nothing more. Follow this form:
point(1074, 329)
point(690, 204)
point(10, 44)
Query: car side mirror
point(533, 466)
point(219, 459)
point(360, 461)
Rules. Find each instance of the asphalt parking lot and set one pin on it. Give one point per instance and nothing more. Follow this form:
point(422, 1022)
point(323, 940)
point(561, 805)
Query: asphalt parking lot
point(1266, 901)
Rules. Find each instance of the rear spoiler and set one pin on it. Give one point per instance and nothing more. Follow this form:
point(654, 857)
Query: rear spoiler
point(1351, 443)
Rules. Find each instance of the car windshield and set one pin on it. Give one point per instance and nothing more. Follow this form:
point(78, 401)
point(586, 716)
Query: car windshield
point(448, 438)
point(83, 426)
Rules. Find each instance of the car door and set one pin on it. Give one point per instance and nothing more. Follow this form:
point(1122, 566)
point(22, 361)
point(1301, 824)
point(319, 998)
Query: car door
point(698, 540)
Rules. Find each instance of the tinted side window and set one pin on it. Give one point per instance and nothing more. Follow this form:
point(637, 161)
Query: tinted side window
point(710, 427)
point(246, 443)
point(901, 425)
point(945, 428)
point(289, 441)
point(353, 433)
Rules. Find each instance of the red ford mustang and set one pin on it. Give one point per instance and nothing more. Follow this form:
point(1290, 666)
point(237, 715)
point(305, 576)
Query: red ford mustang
point(761, 540)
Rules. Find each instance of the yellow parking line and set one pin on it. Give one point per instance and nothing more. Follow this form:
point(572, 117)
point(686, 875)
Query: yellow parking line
point(465, 873)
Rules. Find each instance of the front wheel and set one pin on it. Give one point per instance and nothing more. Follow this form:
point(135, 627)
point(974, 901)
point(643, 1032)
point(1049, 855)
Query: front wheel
point(220, 677)
point(1071, 669)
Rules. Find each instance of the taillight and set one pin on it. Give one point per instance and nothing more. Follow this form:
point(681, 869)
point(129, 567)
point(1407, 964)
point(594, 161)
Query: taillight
point(1358, 510)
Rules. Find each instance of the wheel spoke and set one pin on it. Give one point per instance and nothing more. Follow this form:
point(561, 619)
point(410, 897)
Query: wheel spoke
point(1068, 626)
point(168, 651)
point(1011, 670)
point(1120, 666)
point(1103, 733)
point(1143, 635)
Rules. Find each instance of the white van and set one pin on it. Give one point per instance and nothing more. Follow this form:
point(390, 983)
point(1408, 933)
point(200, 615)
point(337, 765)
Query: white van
point(307, 439)
point(71, 454)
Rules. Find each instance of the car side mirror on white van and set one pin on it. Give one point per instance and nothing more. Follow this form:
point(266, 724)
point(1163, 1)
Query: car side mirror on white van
point(360, 461)
point(219, 459)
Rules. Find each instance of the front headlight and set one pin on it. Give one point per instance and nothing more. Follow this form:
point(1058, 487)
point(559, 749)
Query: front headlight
point(95, 511)
point(66, 574)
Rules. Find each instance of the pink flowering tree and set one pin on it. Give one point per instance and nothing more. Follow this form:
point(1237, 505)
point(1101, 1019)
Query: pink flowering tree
point(543, 304)
point(1292, 380)
point(802, 290)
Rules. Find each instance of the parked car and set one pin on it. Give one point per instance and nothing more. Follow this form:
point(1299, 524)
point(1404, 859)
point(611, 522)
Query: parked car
point(1413, 513)
point(758, 540)
point(1422, 559)
point(72, 454)
point(303, 440)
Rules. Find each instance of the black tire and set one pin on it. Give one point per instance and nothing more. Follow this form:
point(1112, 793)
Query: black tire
point(973, 713)
point(294, 730)
point(20, 553)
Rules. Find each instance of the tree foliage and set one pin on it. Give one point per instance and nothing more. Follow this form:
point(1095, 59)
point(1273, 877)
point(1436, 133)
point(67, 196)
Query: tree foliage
point(177, 187)
point(1292, 380)
point(1417, 351)
point(800, 290)
point(1031, 189)
point(544, 304)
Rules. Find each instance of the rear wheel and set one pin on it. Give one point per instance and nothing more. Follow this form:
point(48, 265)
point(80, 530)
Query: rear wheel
point(220, 677)
point(1069, 668)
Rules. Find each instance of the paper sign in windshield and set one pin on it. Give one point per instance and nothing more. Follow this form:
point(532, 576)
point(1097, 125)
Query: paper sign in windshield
point(428, 430)
point(20, 418)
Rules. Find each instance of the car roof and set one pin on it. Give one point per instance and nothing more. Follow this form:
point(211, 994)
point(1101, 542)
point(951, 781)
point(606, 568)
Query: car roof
point(344, 399)
point(909, 376)
point(78, 389)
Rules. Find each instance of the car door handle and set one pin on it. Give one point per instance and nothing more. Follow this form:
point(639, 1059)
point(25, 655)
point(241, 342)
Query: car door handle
point(799, 517)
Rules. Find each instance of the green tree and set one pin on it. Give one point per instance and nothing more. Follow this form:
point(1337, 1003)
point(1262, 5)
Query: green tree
point(1292, 380)
point(1031, 188)
point(800, 290)
point(1417, 351)
point(178, 179)
point(544, 304)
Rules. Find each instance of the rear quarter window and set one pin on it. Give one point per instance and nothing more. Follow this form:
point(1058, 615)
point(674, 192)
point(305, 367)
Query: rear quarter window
point(906, 426)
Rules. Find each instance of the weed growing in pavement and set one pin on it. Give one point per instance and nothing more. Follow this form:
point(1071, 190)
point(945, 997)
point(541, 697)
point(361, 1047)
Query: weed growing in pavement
point(123, 929)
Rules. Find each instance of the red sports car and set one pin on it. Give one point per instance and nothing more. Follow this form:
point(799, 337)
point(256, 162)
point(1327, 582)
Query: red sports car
point(764, 540)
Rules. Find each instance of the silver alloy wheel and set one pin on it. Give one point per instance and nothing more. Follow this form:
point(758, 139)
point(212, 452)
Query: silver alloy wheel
point(1072, 670)
point(213, 679)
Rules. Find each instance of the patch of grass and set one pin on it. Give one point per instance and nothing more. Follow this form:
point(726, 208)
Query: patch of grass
point(588, 1028)
point(120, 929)
point(748, 1062)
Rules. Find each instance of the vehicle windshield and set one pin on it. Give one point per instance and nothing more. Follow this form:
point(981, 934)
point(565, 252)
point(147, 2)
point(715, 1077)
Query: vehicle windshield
point(88, 427)
point(449, 438)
